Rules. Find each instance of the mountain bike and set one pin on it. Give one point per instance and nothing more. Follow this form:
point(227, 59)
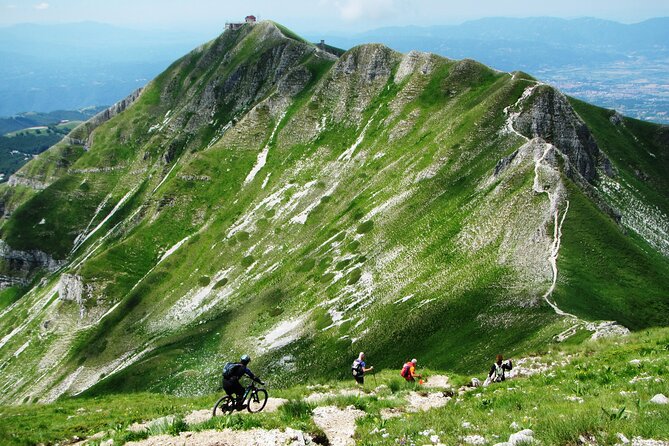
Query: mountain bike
point(255, 400)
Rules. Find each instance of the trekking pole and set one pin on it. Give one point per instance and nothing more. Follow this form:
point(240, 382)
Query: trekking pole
point(374, 375)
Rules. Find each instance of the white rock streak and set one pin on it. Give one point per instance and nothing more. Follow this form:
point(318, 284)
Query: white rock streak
point(33, 312)
point(165, 177)
point(110, 215)
point(346, 156)
point(283, 334)
point(170, 251)
point(262, 156)
point(78, 240)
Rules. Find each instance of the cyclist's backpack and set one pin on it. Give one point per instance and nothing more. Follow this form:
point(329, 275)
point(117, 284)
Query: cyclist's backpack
point(357, 368)
point(405, 370)
point(229, 369)
point(498, 375)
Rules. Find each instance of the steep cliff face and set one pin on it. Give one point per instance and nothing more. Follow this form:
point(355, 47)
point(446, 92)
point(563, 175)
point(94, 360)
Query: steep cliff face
point(263, 196)
point(550, 116)
point(19, 266)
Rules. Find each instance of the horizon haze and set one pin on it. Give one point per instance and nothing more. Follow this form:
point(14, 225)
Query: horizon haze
point(323, 16)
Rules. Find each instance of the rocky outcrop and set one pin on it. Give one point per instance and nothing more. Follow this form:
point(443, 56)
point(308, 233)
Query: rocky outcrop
point(551, 117)
point(22, 264)
point(18, 180)
point(505, 162)
point(414, 61)
point(81, 134)
point(237, 88)
point(369, 62)
point(72, 288)
point(357, 77)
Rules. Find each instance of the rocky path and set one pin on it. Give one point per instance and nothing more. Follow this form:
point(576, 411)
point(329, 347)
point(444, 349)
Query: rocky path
point(337, 424)
point(228, 437)
point(555, 191)
point(422, 401)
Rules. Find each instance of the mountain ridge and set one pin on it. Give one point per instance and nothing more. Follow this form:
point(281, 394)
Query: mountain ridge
point(262, 195)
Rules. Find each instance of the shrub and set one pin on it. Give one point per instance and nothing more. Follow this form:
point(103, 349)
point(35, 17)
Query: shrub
point(394, 385)
point(221, 283)
point(295, 410)
point(355, 276)
point(365, 227)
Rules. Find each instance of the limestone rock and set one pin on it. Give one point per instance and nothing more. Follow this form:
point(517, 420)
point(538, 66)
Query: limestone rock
point(659, 399)
point(551, 117)
point(22, 264)
point(526, 436)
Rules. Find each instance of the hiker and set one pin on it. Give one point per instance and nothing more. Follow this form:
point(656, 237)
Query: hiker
point(232, 372)
point(359, 368)
point(409, 371)
point(497, 370)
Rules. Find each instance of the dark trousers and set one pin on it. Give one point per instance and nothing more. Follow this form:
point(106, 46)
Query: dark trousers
point(232, 386)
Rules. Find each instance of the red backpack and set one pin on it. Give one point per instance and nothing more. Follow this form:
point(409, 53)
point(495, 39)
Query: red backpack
point(405, 373)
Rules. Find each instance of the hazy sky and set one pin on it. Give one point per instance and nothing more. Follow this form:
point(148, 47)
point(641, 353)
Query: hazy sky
point(316, 15)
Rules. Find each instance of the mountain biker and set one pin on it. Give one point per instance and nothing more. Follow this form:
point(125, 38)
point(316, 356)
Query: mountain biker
point(498, 368)
point(232, 373)
point(409, 371)
point(359, 368)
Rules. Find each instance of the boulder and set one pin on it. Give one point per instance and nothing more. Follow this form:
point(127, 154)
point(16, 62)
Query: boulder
point(659, 399)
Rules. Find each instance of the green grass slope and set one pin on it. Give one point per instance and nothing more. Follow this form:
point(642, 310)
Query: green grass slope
point(263, 196)
point(598, 390)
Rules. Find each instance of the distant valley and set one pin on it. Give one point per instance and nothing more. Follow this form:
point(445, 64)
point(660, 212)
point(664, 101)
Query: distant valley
point(28, 134)
point(72, 66)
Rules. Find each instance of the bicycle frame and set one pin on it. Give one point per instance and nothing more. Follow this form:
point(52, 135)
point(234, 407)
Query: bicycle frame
point(248, 392)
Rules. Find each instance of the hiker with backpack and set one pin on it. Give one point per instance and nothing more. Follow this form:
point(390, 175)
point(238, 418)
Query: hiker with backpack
point(497, 371)
point(409, 371)
point(232, 373)
point(359, 368)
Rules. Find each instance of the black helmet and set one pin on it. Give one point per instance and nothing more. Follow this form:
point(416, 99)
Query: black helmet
point(245, 359)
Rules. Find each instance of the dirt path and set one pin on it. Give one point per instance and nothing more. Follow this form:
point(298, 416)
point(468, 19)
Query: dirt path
point(202, 415)
point(228, 437)
point(426, 401)
point(338, 425)
point(437, 381)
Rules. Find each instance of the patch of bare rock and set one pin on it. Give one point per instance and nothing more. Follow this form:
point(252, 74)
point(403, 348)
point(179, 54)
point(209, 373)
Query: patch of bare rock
point(228, 437)
point(337, 424)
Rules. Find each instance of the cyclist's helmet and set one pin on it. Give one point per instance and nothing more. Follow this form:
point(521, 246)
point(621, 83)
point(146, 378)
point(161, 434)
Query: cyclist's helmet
point(245, 359)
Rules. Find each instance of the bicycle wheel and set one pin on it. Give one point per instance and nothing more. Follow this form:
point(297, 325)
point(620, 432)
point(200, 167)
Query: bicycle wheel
point(224, 406)
point(257, 400)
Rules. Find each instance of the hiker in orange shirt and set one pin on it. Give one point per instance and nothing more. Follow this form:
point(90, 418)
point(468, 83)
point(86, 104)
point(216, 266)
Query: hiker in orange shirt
point(409, 371)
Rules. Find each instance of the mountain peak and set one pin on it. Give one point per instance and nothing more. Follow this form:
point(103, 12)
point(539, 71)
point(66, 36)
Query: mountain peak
point(262, 195)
